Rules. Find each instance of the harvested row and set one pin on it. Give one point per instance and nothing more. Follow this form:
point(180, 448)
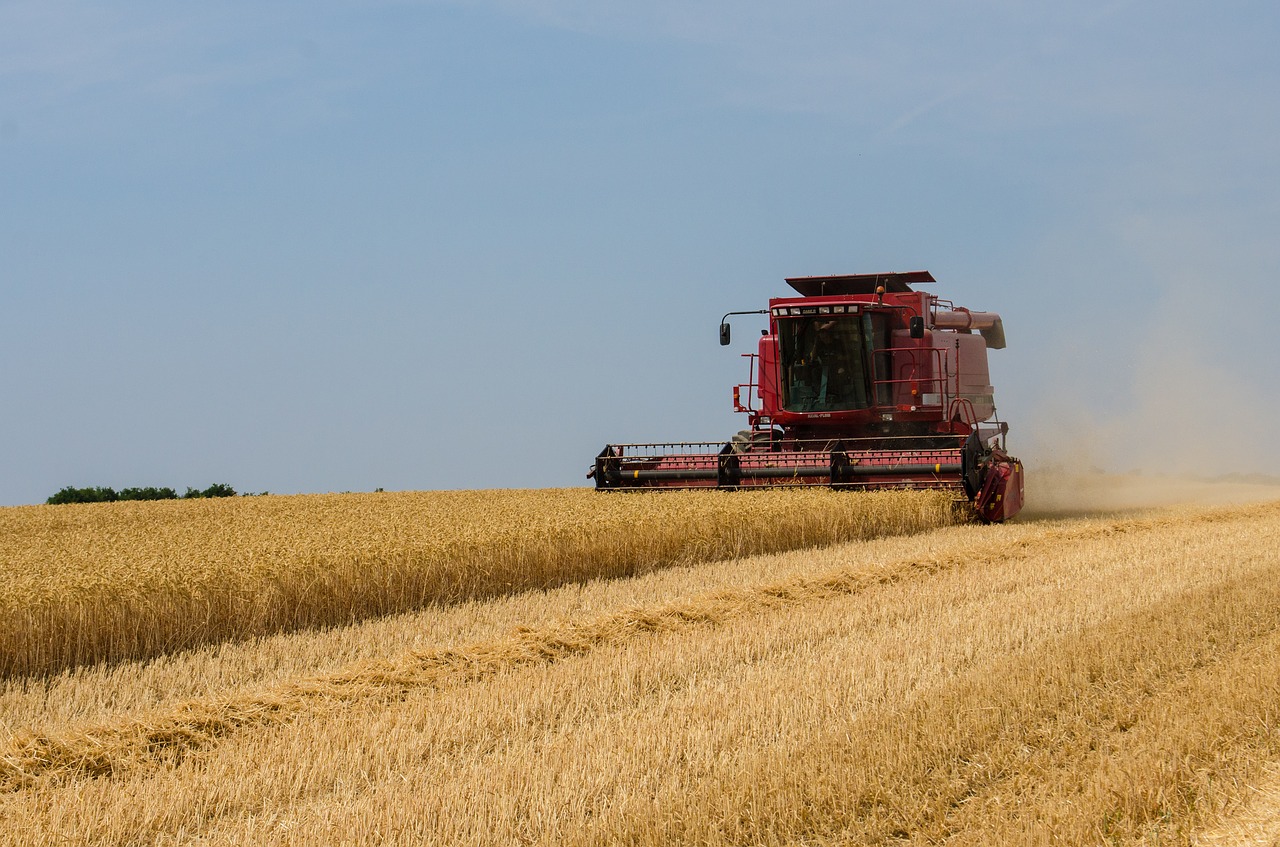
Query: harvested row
point(108, 582)
point(1099, 681)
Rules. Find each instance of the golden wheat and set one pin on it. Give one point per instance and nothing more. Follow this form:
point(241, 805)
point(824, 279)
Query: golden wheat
point(1099, 681)
point(105, 582)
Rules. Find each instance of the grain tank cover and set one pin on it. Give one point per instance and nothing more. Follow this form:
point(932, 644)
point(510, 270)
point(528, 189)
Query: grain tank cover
point(818, 286)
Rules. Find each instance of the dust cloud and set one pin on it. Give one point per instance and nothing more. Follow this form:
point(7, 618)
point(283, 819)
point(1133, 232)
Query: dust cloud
point(1061, 492)
point(1188, 415)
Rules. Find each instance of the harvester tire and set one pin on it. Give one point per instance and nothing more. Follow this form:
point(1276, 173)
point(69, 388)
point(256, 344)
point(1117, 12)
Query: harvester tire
point(748, 439)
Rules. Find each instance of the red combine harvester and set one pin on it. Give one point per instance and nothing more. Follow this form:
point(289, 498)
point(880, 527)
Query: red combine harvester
point(862, 383)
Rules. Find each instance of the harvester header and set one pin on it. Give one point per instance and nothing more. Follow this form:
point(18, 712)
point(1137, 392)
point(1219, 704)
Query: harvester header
point(859, 382)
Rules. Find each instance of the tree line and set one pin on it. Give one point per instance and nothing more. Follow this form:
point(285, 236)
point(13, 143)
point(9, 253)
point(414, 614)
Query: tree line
point(99, 494)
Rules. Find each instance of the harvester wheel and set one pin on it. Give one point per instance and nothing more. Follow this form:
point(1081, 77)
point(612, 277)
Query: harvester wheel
point(748, 439)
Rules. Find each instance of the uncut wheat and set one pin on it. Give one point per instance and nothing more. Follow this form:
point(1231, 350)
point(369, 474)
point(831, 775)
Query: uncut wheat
point(103, 582)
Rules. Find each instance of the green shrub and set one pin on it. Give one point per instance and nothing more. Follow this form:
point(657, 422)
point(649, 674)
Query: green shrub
point(148, 494)
point(71, 494)
point(218, 489)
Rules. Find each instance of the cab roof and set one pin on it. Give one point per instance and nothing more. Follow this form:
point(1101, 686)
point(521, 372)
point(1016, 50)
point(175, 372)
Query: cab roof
point(897, 282)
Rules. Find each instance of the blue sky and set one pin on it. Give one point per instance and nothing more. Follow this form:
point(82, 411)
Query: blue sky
point(336, 246)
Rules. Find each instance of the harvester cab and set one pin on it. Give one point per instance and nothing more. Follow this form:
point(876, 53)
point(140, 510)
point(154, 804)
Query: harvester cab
point(860, 381)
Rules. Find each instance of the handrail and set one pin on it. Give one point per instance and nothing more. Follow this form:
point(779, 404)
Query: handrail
point(914, 377)
point(749, 385)
point(920, 384)
point(962, 408)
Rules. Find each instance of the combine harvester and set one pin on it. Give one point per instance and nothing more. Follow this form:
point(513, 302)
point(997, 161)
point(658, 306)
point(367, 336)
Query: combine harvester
point(862, 383)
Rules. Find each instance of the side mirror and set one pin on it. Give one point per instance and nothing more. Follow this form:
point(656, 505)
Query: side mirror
point(917, 327)
point(724, 333)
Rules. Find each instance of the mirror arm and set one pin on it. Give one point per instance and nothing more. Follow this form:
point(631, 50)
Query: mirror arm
point(724, 323)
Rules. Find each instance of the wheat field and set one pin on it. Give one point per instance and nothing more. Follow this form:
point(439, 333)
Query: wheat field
point(109, 581)
point(1093, 680)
